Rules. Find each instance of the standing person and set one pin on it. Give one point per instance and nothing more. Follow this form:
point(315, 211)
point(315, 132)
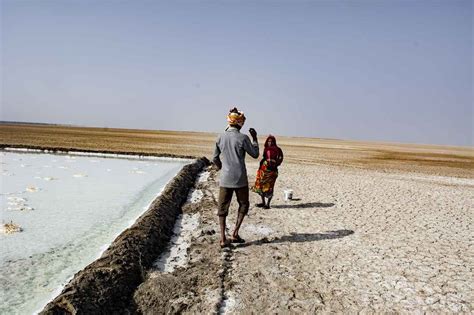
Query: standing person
point(233, 145)
point(268, 171)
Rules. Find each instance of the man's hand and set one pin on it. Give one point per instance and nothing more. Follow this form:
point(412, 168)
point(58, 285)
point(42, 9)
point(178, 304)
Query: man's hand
point(253, 133)
point(217, 163)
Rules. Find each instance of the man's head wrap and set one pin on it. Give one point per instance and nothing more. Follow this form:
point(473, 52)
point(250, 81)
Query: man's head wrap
point(236, 117)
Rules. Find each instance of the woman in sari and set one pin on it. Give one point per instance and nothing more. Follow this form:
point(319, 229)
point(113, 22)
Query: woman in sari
point(268, 172)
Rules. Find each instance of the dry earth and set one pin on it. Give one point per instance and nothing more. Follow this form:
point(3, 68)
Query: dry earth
point(390, 157)
point(373, 228)
point(352, 241)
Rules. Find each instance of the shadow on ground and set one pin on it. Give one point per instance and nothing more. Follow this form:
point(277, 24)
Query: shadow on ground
point(304, 205)
point(301, 237)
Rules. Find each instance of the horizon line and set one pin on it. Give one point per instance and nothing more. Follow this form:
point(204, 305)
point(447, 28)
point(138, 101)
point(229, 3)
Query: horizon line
point(13, 122)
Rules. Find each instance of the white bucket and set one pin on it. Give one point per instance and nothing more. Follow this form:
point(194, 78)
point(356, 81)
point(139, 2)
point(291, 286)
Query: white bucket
point(288, 194)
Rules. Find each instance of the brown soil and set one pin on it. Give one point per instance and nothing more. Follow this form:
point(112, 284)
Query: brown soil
point(389, 157)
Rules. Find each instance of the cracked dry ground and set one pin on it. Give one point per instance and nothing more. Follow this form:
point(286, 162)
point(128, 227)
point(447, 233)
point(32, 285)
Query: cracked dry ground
point(352, 241)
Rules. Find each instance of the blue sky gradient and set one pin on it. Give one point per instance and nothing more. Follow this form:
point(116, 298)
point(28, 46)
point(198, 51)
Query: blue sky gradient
point(368, 70)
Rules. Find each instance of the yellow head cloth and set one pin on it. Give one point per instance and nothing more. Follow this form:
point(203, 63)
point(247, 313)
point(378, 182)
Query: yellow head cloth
point(236, 118)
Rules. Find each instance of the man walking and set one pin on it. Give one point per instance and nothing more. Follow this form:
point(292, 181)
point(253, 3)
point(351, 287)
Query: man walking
point(233, 145)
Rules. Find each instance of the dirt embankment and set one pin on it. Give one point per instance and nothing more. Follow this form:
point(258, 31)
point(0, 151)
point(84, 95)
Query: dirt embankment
point(107, 284)
point(199, 287)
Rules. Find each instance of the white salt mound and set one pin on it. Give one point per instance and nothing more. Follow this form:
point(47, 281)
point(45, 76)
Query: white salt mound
point(228, 303)
point(203, 177)
point(195, 196)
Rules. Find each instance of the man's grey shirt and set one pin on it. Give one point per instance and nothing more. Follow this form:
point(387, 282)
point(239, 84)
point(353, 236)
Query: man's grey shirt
point(233, 145)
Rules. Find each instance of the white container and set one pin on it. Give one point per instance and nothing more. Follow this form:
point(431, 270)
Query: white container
point(288, 194)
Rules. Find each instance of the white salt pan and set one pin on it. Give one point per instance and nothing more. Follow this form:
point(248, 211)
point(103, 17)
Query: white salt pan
point(74, 219)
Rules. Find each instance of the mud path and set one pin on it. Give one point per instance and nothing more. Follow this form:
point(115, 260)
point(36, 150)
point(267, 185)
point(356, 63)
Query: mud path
point(198, 287)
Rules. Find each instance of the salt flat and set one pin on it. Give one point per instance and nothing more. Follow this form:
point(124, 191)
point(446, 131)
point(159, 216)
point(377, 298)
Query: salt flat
point(375, 227)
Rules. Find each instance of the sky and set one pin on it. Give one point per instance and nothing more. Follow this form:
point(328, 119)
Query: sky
point(396, 71)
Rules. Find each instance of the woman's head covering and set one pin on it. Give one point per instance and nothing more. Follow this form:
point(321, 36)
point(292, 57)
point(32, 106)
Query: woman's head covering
point(236, 117)
point(270, 137)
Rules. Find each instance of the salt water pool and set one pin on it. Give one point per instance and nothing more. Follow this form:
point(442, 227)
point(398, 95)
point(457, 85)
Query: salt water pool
point(70, 208)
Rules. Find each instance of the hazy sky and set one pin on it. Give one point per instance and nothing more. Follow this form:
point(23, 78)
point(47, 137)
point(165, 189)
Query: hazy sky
point(370, 70)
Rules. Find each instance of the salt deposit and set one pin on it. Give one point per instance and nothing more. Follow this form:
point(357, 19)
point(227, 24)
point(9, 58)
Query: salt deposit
point(78, 211)
point(176, 255)
point(203, 177)
point(10, 228)
point(32, 189)
point(228, 303)
point(79, 175)
point(195, 196)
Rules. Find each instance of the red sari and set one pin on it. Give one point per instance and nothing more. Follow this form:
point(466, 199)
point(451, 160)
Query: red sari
point(268, 171)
